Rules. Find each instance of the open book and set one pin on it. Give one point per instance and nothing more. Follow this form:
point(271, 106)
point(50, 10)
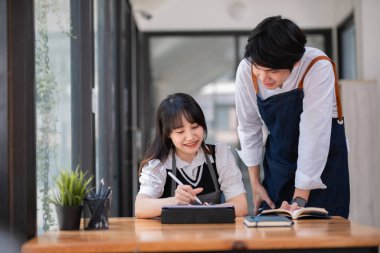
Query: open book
point(305, 212)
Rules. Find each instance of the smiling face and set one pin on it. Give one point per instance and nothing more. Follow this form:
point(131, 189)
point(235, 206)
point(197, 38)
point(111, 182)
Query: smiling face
point(187, 139)
point(271, 78)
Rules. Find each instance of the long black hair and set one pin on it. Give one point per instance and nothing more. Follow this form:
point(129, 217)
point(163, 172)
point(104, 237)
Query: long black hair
point(168, 117)
point(275, 43)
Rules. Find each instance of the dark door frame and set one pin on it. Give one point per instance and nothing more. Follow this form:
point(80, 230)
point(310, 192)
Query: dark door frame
point(17, 119)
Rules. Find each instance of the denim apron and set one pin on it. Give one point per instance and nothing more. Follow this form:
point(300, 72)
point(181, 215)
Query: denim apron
point(281, 114)
point(213, 197)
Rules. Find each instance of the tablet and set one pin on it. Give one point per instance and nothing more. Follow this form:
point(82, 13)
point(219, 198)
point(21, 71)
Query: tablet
point(187, 214)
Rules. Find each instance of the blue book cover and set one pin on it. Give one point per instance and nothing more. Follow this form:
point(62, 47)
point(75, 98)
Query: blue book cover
point(267, 221)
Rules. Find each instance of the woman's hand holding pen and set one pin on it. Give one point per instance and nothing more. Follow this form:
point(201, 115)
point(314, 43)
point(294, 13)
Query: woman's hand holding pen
point(185, 194)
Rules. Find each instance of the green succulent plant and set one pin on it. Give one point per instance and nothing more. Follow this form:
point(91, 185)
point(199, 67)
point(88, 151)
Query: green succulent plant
point(70, 187)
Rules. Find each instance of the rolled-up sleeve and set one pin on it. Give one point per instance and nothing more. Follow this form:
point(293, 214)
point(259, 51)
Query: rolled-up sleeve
point(249, 123)
point(152, 179)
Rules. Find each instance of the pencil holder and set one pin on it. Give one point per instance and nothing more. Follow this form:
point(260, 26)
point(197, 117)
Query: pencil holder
point(96, 213)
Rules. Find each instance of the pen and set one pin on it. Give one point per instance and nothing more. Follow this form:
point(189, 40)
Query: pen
point(180, 183)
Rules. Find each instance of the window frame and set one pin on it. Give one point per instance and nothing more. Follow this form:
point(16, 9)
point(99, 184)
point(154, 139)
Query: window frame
point(18, 125)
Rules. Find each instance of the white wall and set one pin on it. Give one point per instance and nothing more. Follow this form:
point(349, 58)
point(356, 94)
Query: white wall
point(370, 35)
point(180, 15)
point(367, 32)
point(365, 176)
point(360, 103)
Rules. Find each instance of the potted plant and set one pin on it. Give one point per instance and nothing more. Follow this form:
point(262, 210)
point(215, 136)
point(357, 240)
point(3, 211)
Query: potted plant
point(70, 187)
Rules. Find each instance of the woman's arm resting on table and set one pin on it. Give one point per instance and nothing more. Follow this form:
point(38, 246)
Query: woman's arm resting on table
point(240, 204)
point(148, 207)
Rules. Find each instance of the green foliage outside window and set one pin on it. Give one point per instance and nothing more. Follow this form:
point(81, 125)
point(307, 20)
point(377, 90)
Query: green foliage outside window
point(47, 99)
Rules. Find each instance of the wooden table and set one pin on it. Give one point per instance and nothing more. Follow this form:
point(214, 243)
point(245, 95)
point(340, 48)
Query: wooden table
point(139, 235)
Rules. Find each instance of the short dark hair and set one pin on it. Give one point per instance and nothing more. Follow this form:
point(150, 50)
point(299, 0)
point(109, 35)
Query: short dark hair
point(276, 43)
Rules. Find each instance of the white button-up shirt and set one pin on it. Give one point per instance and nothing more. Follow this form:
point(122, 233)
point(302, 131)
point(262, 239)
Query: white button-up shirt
point(319, 107)
point(153, 176)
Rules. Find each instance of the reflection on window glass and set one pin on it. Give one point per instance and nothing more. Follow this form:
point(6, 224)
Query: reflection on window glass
point(52, 59)
point(205, 68)
point(242, 43)
point(202, 67)
point(347, 50)
point(316, 40)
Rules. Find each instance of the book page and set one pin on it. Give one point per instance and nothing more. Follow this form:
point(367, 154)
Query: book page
point(309, 211)
point(303, 212)
point(278, 211)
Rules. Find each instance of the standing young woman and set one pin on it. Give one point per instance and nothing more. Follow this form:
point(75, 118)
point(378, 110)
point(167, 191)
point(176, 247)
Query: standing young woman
point(293, 91)
point(179, 147)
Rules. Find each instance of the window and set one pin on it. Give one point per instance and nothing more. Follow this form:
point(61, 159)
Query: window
point(53, 100)
point(202, 66)
point(81, 84)
point(347, 49)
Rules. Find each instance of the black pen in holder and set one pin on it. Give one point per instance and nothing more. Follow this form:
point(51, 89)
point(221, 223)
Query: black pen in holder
point(96, 208)
point(96, 213)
